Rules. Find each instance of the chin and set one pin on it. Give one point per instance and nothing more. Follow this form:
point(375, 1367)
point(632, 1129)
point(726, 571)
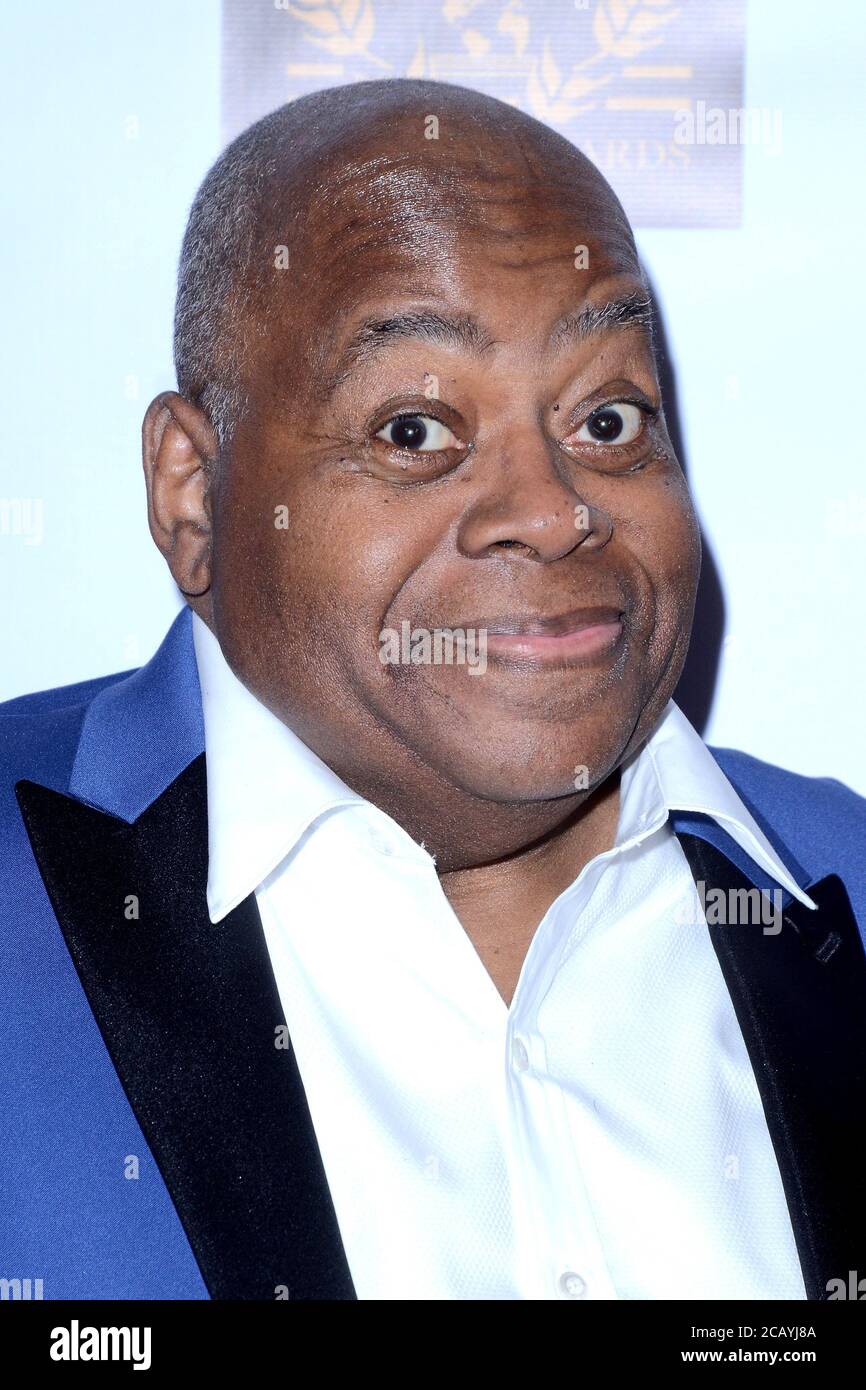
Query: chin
point(505, 764)
point(520, 739)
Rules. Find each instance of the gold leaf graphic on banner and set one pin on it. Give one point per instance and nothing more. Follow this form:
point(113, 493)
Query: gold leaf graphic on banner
point(459, 9)
point(476, 42)
point(551, 96)
point(417, 63)
point(341, 27)
point(619, 11)
point(515, 24)
point(623, 29)
point(610, 75)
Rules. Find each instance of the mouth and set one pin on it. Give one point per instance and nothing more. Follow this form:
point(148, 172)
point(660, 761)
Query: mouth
point(573, 638)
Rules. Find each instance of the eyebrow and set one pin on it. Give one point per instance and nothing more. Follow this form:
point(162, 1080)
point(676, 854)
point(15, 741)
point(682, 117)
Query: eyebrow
point(630, 310)
point(459, 331)
point(465, 333)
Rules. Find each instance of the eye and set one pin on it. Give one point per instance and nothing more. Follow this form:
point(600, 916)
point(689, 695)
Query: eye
point(620, 422)
point(421, 433)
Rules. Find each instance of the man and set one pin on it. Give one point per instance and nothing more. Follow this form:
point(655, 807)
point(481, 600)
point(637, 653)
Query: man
point(339, 970)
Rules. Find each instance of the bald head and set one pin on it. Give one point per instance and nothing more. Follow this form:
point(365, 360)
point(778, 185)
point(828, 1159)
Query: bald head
point(387, 173)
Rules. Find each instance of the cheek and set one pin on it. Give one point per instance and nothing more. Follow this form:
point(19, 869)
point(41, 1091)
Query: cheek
point(322, 565)
point(682, 540)
point(677, 560)
point(662, 537)
point(667, 539)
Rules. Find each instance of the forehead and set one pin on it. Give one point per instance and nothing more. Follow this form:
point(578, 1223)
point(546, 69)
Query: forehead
point(468, 291)
point(516, 236)
point(395, 209)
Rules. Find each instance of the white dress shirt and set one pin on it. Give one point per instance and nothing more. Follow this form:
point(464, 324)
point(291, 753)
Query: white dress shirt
point(602, 1137)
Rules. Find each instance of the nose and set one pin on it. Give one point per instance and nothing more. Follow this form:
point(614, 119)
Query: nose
point(529, 502)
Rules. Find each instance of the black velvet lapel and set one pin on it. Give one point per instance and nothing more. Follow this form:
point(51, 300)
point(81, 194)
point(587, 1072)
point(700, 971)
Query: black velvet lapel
point(800, 998)
point(189, 1012)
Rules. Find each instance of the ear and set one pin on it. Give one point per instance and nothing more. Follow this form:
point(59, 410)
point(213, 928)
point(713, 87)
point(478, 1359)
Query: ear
point(179, 450)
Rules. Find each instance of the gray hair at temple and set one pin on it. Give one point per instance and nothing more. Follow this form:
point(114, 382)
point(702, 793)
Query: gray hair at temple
point(215, 274)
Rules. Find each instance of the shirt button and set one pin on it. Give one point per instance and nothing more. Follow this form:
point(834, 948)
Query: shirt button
point(519, 1055)
point(571, 1285)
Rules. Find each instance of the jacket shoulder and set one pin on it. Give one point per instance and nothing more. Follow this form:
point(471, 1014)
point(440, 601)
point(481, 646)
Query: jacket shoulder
point(60, 697)
point(821, 819)
point(39, 735)
point(769, 781)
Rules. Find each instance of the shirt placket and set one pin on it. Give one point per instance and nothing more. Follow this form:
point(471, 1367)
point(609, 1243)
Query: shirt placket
point(559, 1241)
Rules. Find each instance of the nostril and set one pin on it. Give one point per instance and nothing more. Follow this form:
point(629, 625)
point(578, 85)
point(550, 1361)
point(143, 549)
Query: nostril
point(515, 545)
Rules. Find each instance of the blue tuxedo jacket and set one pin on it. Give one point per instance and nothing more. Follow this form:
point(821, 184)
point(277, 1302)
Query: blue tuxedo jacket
point(155, 1144)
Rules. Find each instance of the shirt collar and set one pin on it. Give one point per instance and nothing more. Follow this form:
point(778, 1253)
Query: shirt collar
point(675, 771)
point(266, 788)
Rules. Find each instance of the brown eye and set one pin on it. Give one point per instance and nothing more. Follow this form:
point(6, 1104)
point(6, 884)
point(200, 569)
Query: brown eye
point(617, 423)
point(420, 433)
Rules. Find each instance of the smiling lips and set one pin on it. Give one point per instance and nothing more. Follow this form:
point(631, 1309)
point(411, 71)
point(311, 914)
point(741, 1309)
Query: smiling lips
point(572, 637)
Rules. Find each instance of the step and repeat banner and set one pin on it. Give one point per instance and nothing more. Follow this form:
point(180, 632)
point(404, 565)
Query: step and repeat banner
point(638, 86)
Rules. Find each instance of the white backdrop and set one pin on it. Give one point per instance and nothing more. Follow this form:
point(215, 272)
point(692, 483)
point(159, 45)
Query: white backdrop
point(112, 115)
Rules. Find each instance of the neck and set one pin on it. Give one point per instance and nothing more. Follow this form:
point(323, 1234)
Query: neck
point(501, 902)
point(541, 869)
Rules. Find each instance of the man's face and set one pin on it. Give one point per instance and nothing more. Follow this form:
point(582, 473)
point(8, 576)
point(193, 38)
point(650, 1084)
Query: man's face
point(477, 462)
